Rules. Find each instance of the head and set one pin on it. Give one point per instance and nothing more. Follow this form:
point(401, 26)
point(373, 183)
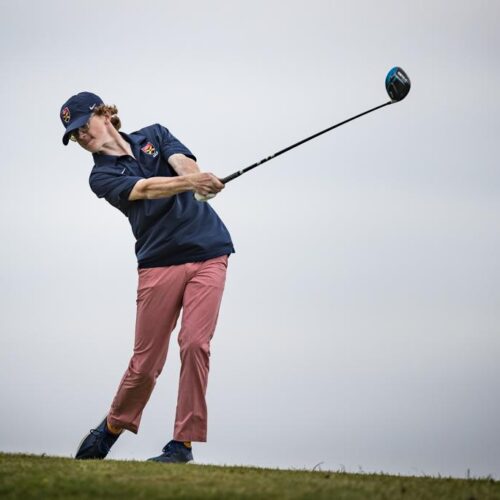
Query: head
point(89, 121)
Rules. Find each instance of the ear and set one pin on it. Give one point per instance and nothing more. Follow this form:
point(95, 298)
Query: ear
point(107, 122)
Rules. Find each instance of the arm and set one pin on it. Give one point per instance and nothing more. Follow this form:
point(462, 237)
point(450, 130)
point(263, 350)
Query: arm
point(182, 164)
point(190, 179)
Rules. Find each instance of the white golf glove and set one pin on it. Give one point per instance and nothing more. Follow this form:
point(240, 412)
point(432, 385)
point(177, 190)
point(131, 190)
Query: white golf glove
point(203, 197)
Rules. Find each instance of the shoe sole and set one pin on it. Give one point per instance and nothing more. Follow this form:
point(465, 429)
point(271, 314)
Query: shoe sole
point(160, 462)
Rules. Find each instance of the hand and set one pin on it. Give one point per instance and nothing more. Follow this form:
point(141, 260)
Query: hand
point(205, 184)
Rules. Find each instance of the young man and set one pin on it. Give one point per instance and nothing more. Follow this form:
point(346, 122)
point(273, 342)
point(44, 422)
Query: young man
point(182, 250)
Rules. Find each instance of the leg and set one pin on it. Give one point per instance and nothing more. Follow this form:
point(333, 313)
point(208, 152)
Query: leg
point(159, 300)
point(201, 303)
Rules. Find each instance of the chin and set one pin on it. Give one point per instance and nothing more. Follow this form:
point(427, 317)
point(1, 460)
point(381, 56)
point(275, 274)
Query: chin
point(92, 147)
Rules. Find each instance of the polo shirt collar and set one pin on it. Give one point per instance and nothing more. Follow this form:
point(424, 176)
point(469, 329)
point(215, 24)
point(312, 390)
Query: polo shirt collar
point(135, 140)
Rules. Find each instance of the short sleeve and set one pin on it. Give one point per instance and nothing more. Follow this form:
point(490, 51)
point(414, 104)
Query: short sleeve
point(114, 187)
point(170, 145)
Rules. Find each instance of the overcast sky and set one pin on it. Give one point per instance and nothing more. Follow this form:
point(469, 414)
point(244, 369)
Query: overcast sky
point(360, 326)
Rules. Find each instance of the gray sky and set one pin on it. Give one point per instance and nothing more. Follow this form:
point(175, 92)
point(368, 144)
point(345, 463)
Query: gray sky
point(360, 326)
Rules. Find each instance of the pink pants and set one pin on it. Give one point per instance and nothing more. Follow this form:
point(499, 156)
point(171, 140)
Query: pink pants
point(196, 288)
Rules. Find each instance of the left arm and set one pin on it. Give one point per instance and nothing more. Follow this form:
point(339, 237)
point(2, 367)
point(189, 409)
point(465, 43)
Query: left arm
point(182, 164)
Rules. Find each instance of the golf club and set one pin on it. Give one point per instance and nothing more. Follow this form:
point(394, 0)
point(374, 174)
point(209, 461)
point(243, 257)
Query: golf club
point(397, 84)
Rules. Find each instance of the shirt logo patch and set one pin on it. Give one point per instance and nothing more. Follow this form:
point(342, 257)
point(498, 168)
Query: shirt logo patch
point(66, 115)
point(149, 149)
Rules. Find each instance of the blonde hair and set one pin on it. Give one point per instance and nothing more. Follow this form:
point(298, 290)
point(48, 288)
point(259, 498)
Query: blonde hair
point(111, 111)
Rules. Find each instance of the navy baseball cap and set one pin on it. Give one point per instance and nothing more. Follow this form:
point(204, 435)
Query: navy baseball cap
point(76, 112)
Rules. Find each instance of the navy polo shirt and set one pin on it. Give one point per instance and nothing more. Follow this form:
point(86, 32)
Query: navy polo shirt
point(168, 231)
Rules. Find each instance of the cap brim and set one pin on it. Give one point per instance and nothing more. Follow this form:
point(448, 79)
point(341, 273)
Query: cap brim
point(79, 122)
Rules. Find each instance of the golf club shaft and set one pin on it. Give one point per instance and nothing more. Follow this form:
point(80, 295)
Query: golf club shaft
point(225, 180)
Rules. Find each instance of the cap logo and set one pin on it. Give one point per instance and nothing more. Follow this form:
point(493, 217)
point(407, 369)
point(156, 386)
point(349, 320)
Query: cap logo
point(66, 115)
point(149, 149)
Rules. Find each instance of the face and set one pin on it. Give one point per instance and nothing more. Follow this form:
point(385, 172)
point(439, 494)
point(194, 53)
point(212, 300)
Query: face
point(94, 134)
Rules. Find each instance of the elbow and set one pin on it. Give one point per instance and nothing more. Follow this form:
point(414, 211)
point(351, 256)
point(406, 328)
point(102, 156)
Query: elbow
point(140, 191)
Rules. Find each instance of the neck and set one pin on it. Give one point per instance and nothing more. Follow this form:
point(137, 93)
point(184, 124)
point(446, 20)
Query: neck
point(116, 146)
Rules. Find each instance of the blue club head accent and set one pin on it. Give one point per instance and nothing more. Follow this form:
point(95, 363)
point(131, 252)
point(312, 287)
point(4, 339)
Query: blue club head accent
point(397, 84)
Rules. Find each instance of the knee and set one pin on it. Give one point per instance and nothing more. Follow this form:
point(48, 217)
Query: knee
point(142, 375)
point(194, 348)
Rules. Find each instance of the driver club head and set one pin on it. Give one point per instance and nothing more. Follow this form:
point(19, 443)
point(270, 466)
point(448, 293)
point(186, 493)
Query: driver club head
point(397, 84)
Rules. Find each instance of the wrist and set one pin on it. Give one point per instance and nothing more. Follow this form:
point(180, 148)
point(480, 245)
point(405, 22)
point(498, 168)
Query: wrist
point(187, 182)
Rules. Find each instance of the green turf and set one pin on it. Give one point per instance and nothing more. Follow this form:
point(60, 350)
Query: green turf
point(30, 476)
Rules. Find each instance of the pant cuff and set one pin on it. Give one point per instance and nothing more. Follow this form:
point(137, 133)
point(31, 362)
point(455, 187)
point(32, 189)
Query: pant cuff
point(187, 437)
point(123, 425)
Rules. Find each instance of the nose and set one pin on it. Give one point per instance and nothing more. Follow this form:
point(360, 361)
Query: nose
point(82, 134)
point(82, 138)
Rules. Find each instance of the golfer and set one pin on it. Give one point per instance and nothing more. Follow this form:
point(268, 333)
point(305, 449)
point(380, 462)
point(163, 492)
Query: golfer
point(182, 249)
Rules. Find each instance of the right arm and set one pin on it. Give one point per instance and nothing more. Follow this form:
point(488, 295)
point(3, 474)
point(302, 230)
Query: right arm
point(162, 187)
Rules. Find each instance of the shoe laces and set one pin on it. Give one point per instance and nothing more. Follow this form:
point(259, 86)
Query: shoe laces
point(103, 438)
point(170, 448)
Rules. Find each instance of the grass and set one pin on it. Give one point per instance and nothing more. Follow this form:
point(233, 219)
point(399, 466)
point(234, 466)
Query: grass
point(42, 477)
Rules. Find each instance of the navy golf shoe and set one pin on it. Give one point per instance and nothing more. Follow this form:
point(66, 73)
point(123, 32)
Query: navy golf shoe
point(97, 443)
point(174, 452)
